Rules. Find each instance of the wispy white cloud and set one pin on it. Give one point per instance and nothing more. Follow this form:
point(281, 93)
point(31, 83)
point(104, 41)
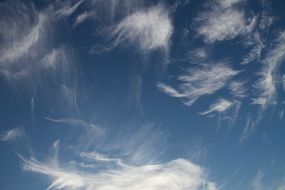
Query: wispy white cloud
point(223, 21)
point(58, 64)
point(257, 45)
point(26, 41)
point(199, 82)
point(266, 85)
point(222, 25)
point(169, 90)
point(51, 59)
point(264, 180)
point(125, 162)
point(67, 8)
point(83, 17)
point(107, 11)
point(11, 134)
point(13, 49)
point(148, 29)
point(196, 56)
point(257, 181)
point(237, 89)
point(248, 129)
point(200, 53)
point(179, 174)
point(95, 156)
point(58, 61)
point(256, 40)
point(228, 3)
point(220, 106)
point(77, 123)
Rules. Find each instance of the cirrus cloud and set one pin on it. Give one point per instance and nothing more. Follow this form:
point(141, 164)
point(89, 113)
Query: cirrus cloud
point(148, 29)
point(179, 174)
point(199, 82)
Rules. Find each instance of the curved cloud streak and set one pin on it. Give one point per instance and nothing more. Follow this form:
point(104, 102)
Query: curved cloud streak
point(178, 174)
point(149, 29)
point(199, 82)
point(266, 85)
point(11, 134)
point(220, 106)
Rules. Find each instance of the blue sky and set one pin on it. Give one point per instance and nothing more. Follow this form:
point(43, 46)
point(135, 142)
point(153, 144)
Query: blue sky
point(137, 94)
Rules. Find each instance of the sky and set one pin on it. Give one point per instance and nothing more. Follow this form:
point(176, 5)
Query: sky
point(142, 94)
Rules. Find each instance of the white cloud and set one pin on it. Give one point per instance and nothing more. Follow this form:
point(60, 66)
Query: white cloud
point(149, 29)
point(266, 85)
point(59, 67)
point(179, 174)
point(223, 21)
point(99, 157)
point(169, 90)
point(200, 54)
point(219, 25)
point(15, 49)
point(257, 46)
point(83, 17)
point(199, 82)
point(77, 123)
point(248, 129)
point(257, 181)
point(238, 89)
point(56, 56)
point(68, 8)
point(196, 56)
point(257, 37)
point(54, 68)
point(228, 3)
point(220, 106)
point(125, 162)
point(10, 135)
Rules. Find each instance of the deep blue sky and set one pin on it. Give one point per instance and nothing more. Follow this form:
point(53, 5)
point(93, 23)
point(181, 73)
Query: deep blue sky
point(137, 94)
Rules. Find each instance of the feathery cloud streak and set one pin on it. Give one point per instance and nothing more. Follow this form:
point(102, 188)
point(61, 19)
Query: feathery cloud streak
point(178, 174)
point(220, 106)
point(78, 123)
point(199, 82)
point(11, 134)
point(267, 84)
point(19, 32)
point(148, 29)
point(223, 21)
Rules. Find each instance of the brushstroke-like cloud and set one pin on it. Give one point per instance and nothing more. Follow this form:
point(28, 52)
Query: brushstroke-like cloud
point(148, 29)
point(199, 82)
point(178, 174)
point(67, 8)
point(11, 134)
point(250, 126)
point(223, 25)
point(223, 22)
point(77, 123)
point(228, 3)
point(127, 163)
point(267, 84)
point(237, 89)
point(220, 106)
point(257, 39)
point(257, 45)
point(257, 181)
point(28, 60)
point(19, 32)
